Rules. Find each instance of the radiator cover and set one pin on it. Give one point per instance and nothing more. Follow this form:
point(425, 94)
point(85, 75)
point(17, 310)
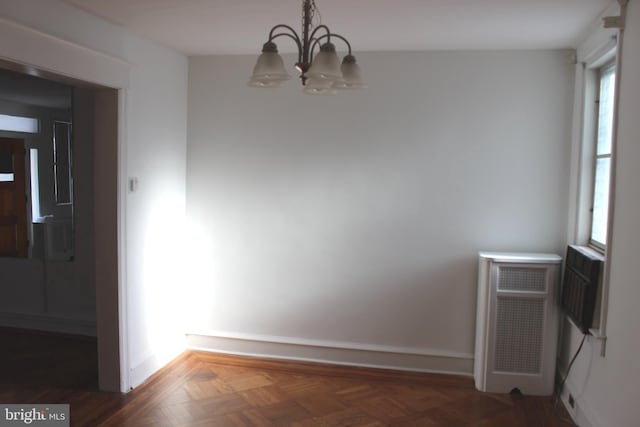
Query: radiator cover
point(517, 322)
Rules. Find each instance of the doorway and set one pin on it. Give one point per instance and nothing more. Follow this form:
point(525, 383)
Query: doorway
point(77, 293)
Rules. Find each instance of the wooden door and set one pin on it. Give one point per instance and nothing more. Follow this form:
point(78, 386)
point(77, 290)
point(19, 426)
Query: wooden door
point(13, 199)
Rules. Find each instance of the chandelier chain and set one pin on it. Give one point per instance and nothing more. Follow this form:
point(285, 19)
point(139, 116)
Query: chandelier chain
point(314, 11)
point(315, 15)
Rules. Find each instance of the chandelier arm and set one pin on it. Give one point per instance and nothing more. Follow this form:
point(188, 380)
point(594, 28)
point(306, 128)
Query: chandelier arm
point(326, 36)
point(313, 47)
point(344, 40)
point(292, 37)
point(312, 36)
point(293, 34)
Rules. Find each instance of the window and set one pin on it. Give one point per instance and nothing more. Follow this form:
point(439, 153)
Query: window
point(35, 184)
point(19, 124)
point(602, 159)
point(10, 123)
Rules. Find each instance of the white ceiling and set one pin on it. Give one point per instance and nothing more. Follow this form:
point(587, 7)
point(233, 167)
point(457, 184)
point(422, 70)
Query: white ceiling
point(202, 27)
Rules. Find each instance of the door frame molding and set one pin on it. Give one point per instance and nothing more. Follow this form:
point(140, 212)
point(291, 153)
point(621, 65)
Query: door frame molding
point(78, 65)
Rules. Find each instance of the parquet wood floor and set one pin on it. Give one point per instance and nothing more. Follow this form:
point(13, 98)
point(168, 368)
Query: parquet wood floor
point(204, 389)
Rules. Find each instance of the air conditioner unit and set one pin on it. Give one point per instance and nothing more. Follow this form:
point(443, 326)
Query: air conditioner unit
point(517, 323)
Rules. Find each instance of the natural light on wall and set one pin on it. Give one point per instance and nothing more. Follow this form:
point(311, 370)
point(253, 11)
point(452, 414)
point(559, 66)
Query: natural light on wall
point(164, 275)
point(202, 265)
point(19, 124)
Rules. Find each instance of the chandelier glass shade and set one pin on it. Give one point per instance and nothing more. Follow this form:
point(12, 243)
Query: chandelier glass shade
point(323, 74)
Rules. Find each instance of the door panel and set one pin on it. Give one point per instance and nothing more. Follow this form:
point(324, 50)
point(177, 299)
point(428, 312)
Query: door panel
point(13, 199)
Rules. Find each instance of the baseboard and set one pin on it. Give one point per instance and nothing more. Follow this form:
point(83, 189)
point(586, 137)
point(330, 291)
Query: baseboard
point(580, 412)
point(141, 372)
point(48, 323)
point(152, 364)
point(335, 353)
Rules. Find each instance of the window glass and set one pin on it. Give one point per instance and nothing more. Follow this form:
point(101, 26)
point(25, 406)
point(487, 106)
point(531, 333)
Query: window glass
point(605, 111)
point(601, 201)
point(19, 124)
point(602, 174)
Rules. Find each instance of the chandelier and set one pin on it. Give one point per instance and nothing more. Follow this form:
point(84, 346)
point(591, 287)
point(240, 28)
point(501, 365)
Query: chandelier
point(320, 75)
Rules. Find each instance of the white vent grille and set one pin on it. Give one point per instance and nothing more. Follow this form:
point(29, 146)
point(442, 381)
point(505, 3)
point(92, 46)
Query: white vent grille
point(522, 279)
point(516, 322)
point(519, 335)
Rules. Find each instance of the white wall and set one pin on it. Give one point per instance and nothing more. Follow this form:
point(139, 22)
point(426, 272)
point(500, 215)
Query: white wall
point(354, 221)
point(605, 387)
point(153, 149)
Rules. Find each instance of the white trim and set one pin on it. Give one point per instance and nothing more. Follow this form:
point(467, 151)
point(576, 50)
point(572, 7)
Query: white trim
point(152, 364)
point(125, 361)
point(581, 414)
point(333, 352)
point(49, 323)
point(334, 344)
point(48, 53)
point(144, 370)
point(601, 54)
point(604, 305)
point(598, 39)
point(575, 228)
point(38, 52)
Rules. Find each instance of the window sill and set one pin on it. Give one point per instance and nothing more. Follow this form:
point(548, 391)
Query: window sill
point(597, 248)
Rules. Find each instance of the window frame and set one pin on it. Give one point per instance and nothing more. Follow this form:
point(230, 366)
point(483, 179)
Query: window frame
point(62, 172)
